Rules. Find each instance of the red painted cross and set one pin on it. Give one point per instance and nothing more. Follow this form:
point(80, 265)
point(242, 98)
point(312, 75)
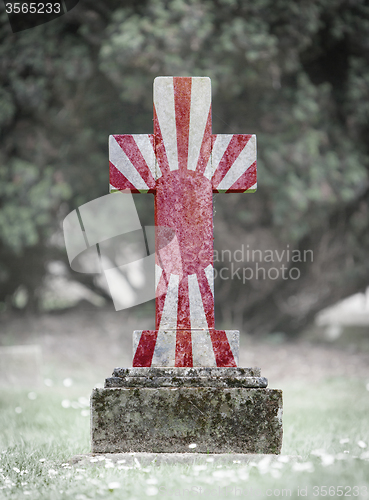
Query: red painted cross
point(182, 163)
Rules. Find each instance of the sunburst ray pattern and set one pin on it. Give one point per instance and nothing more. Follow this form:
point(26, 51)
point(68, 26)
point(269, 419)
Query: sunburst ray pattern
point(182, 163)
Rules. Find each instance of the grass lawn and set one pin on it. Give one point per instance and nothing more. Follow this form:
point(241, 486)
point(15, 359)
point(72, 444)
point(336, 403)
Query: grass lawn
point(325, 423)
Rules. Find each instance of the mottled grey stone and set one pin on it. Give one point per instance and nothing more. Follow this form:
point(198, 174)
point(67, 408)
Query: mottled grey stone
point(171, 381)
point(196, 371)
point(157, 420)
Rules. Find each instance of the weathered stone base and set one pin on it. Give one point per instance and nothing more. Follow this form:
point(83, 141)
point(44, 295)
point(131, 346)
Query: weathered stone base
point(218, 419)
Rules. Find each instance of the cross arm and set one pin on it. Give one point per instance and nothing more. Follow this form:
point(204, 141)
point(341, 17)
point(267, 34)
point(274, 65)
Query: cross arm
point(232, 168)
point(132, 163)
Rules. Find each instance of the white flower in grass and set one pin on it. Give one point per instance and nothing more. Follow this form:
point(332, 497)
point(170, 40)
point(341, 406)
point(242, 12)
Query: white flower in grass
point(121, 461)
point(25, 492)
point(48, 382)
point(52, 472)
point(303, 467)
point(24, 484)
point(276, 474)
point(152, 480)
point(210, 459)
point(114, 485)
point(42, 460)
point(364, 455)
point(284, 459)
point(32, 396)
point(65, 403)
point(362, 444)
point(344, 440)
point(243, 474)
point(18, 409)
point(192, 446)
point(152, 491)
point(16, 470)
point(67, 382)
point(109, 465)
point(199, 467)
point(93, 459)
point(85, 413)
point(264, 465)
point(225, 473)
point(327, 460)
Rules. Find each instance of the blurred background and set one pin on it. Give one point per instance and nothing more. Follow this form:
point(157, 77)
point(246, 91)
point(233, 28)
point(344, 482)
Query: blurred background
point(295, 73)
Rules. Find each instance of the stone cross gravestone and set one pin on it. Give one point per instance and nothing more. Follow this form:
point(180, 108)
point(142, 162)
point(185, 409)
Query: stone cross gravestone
point(185, 386)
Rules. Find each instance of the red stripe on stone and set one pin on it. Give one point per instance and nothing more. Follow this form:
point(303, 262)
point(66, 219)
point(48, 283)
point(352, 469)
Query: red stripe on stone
point(129, 146)
point(161, 155)
point(205, 150)
point(207, 298)
point(145, 349)
point(246, 180)
point(183, 348)
point(183, 335)
point(222, 349)
point(236, 145)
point(182, 106)
point(119, 181)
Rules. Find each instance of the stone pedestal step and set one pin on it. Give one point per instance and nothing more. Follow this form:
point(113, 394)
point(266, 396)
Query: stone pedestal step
point(198, 371)
point(174, 382)
point(186, 377)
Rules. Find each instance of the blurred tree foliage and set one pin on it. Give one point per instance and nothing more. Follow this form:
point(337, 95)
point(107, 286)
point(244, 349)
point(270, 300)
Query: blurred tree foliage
point(296, 73)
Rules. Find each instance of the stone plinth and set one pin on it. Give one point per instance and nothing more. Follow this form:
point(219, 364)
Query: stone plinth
point(157, 410)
